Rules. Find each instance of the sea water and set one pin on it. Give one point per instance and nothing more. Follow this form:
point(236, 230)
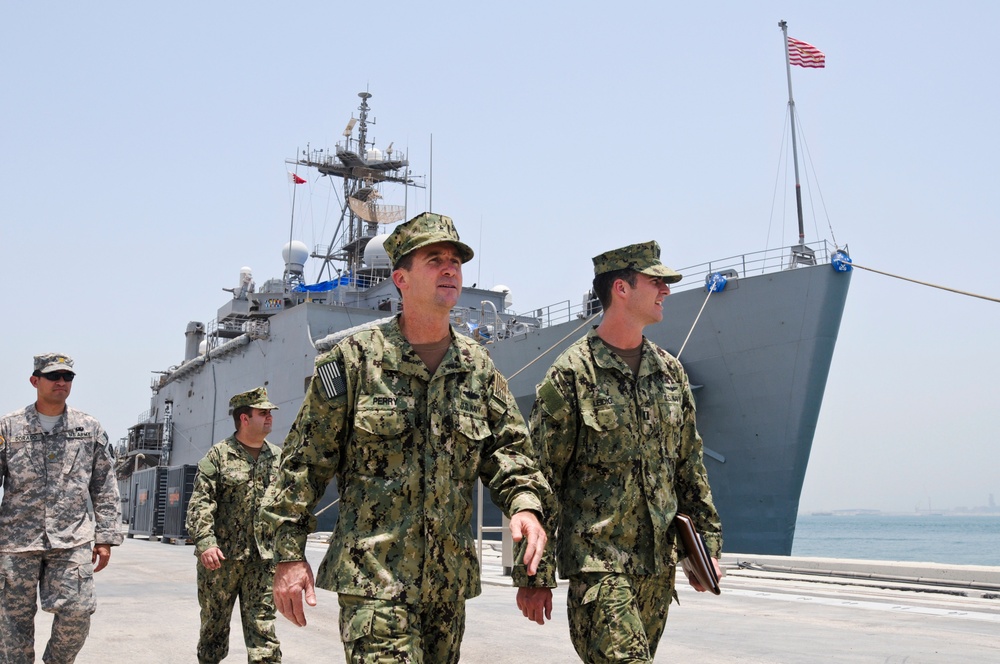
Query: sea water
point(930, 538)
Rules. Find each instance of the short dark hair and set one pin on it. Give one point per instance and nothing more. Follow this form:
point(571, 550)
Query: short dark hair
point(603, 283)
point(404, 263)
point(242, 410)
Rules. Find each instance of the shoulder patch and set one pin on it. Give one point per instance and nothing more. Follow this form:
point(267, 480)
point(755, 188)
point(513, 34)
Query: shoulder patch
point(552, 401)
point(207, 468)
point(500, 389)
point(331, 375)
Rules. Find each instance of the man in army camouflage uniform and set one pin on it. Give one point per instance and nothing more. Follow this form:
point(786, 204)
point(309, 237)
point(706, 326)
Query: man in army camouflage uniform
point(614, 421)
point(52, 459)
point(406, 415)
point(231, 481)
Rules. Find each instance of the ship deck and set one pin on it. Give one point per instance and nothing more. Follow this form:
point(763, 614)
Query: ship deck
point(773, 609)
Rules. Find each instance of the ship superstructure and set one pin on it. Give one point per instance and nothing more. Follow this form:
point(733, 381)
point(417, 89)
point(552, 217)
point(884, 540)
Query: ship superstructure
point(759, 354)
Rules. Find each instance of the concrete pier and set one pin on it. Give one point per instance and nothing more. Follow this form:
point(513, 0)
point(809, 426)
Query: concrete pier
point(773, 610)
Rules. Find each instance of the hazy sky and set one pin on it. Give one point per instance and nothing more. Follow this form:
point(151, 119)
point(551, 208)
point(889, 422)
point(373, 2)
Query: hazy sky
point(144, 149)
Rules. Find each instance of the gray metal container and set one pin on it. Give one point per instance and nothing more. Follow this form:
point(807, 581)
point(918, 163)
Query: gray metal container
point(125, 492)
point(149, 499)
point(180, 484)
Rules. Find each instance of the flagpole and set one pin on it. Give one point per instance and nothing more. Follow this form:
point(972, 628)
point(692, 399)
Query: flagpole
point(795, 151)
point(291, 223)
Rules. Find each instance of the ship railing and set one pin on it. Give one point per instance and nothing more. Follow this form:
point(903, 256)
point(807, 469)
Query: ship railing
point(739, 266)
point(757, 263)
point(335, 250)
point(146, 436)
point(218, 333)
point(487, 324)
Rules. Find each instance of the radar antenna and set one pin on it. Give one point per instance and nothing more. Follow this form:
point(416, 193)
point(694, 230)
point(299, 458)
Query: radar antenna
point(363, 171)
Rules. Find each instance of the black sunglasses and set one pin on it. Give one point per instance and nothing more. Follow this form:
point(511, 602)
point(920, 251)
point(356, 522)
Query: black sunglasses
point(59, 375)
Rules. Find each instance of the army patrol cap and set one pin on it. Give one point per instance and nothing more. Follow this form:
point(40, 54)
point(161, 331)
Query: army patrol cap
point(422, 230)
point(643, 257)
point(53, 362)
point(255, 398)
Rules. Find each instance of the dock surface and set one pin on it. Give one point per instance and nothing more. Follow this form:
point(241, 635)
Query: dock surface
point(773, 610)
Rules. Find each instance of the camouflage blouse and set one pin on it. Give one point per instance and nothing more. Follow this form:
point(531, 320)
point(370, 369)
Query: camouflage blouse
point(405, 448)
point(47, 479)
point(622, 455)
point(227, 494)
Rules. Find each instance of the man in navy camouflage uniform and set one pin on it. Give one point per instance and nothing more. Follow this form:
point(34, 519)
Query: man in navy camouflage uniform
point(614, 423)
point(52, 459)
point(229, 486)
point(406, 415)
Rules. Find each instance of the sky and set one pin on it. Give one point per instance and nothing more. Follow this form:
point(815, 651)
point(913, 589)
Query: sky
point(143, 164)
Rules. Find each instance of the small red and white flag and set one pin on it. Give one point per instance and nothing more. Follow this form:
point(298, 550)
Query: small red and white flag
point(295, 178)
point(805, 55)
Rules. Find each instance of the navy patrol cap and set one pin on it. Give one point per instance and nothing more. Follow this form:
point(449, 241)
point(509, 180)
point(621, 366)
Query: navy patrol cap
point(424, 229)
point(255, 398)
point(643, 257)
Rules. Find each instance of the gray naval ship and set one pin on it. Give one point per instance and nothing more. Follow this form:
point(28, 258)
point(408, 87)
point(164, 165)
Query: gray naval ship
point(755, 332)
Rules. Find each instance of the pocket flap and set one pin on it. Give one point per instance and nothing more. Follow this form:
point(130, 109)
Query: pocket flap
point(356, 625)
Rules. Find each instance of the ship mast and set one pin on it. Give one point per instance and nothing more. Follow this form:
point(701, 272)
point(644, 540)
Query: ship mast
point(362, 170)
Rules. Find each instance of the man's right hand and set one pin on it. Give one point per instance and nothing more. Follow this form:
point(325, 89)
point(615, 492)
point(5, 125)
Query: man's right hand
point(291, 580)
point(212, 558)
point(535, 604)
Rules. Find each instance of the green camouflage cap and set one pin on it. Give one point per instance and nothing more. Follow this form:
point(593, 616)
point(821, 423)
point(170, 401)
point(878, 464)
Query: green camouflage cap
point(422, 230)
point(53, 362)
point(255, 398)
point(643, 257)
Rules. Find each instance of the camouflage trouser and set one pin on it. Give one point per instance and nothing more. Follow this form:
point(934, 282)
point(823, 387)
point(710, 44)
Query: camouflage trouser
point(250, 581)
point(64, 579)
point(618, 617)
point(376, 631)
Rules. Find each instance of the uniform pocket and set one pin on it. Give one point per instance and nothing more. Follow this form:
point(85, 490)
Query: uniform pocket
point(604, 435)
point(68, 588)
point(355, 622)
point(380, 435)
point(670, 418)
point(467, 444)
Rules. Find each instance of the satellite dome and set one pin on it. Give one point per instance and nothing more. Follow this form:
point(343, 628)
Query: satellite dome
point(374, 154)
point(375, 254)
point(507, 299)
point(294, 254)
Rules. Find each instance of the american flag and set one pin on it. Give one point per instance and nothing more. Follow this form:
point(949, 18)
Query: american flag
point(805, 55)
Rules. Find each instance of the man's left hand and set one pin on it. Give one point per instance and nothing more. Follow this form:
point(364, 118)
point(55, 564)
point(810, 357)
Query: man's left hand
point(526, 524)
point(101, 556)
point(694, 583)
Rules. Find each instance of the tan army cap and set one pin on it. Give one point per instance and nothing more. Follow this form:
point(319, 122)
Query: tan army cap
point(643, 257)
point(255, 398)
point(422, 230)
point(53, 362)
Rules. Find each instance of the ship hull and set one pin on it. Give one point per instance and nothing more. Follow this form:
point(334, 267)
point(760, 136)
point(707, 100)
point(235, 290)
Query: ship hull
point(759, 357)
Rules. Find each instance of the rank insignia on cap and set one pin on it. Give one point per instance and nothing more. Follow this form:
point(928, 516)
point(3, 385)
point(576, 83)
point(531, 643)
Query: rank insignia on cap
point(332, 377)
